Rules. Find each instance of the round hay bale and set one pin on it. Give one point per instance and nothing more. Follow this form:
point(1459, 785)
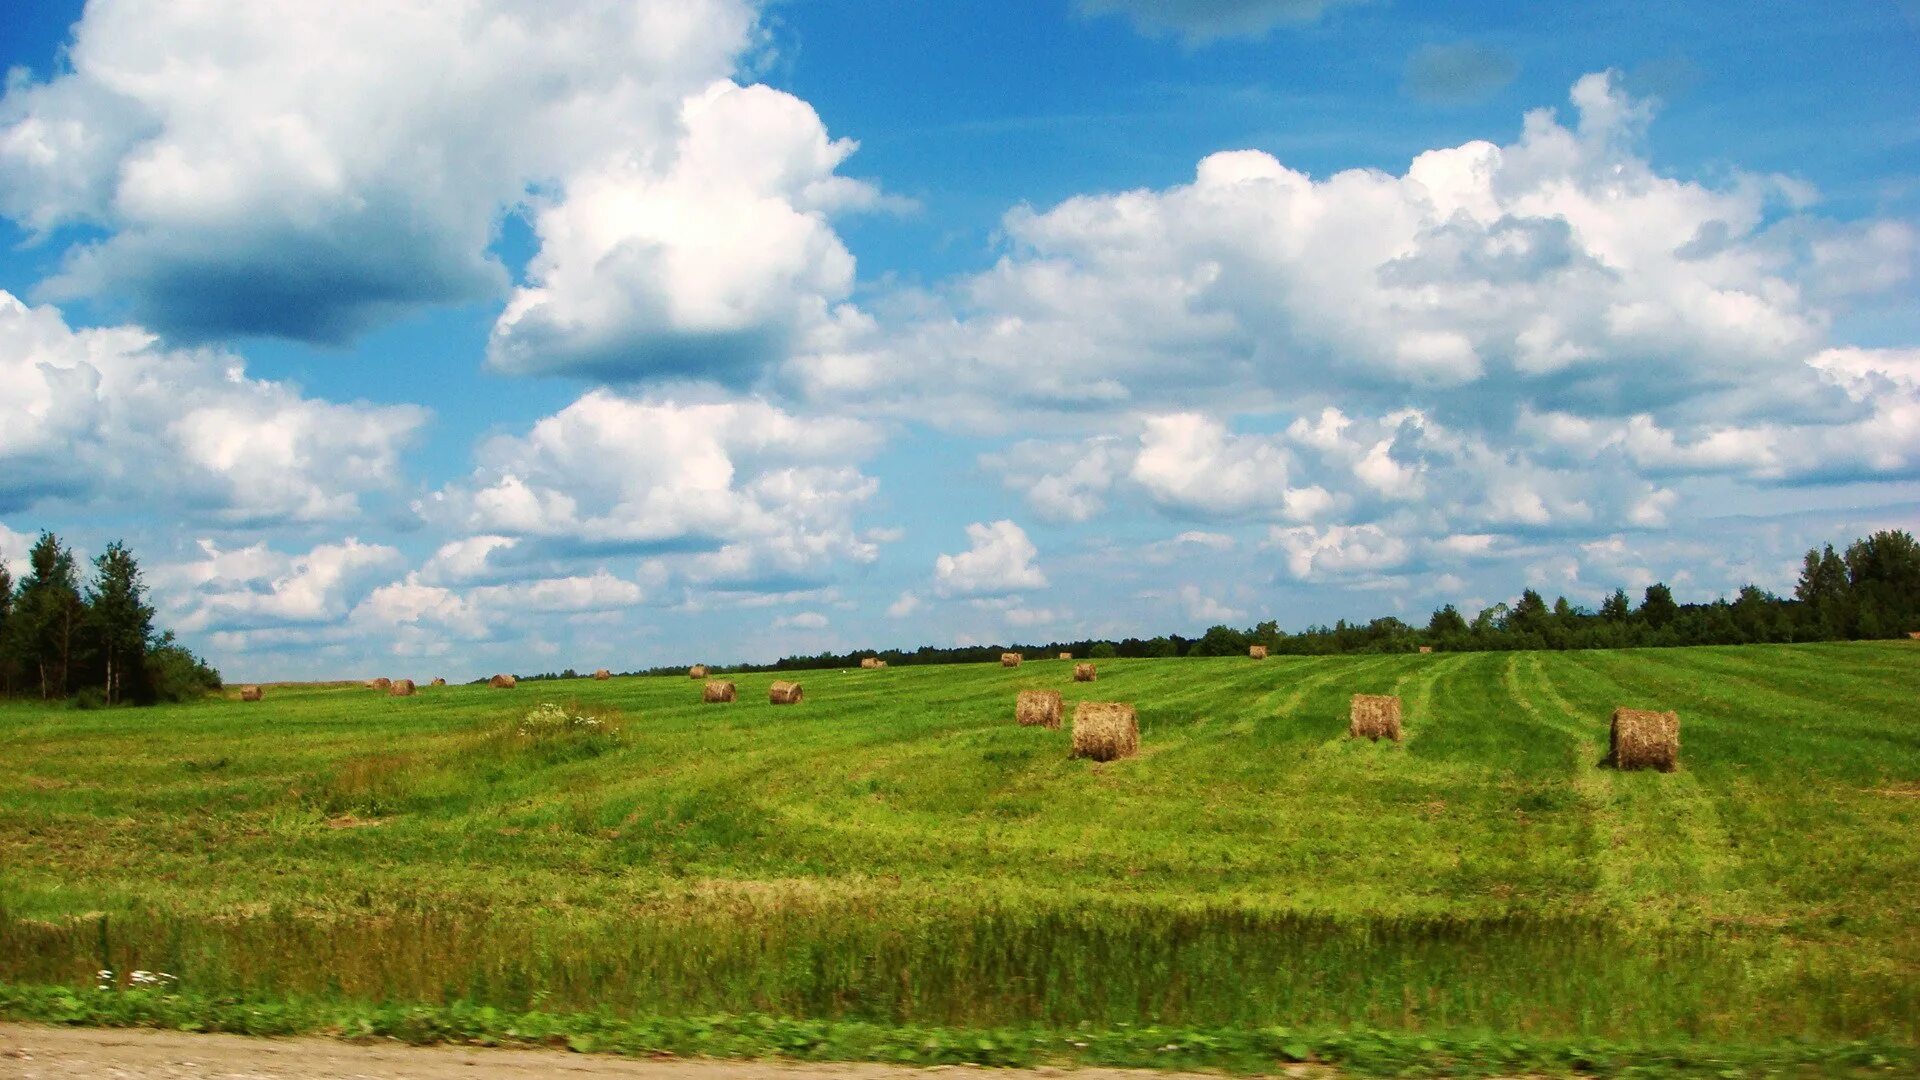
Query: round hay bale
point(878, 664)
point(603, 674)
point(870, 662)
point(1374, 716)
point(1257, 652)
point(717, 692)
point(1083, 673)
point(1105, 730)
point(1038, 708)
point(1914, 635)
point(1010, 659)
point(1425, 649)
point(501, 682)
point(1066, 656)
point(784, 693)
point(401, 688)
point(438, 682)
point(697, 671)
point(382, 683)
point(1644, 739)
point(250, 693)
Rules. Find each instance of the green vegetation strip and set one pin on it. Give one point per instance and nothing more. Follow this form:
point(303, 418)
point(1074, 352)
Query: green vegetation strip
point(1239, 1050)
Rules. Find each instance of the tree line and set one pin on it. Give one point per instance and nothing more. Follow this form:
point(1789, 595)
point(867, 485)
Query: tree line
point(1869, 590)
point(94, 642)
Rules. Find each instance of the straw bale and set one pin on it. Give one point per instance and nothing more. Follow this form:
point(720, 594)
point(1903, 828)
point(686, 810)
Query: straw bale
point(1425, 649)
point(697, 671)
point(249, 693)
point(381, 683)
point(401, 688)
point(870, 662)
point(501, 682)
point(1258, 652)
point(438, 682)
point(603, 673)
point(1375, 716)
point(1644, 739)
point(717, 692)
point(1010, 659)
point(784, 693)
point(1083, 673)
point(1038, 708)
point(1105, 730)
point(1066, 656)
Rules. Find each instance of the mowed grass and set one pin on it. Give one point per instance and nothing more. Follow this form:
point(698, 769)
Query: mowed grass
point(896, 849)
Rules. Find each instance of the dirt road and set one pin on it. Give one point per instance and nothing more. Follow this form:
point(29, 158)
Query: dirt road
point(31, 1052)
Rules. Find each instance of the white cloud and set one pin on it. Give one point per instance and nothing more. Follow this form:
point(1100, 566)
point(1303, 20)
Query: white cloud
point(999, 561)
point(801, 620)
point(307, 171)
point(257, 587)
point(706, 267)
point(904, 605)
point(1201, 608)
point(107, 415)
point(744, 490)
point(1338, 550)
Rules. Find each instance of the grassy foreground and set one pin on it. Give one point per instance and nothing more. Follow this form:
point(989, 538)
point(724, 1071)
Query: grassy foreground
point(895, 858)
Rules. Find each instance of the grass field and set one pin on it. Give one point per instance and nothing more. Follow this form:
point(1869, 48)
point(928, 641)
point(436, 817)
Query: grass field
point(895, 851)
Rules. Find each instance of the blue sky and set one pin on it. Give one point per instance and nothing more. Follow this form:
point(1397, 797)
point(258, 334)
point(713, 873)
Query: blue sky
point(470, 337)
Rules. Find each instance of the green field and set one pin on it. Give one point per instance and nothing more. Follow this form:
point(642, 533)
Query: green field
point(895, 851)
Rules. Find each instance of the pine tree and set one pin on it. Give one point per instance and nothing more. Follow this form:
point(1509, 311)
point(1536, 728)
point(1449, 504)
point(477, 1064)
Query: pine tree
point(1657, 608)
point(49, 613)
point(6, 632)
point(120, 622)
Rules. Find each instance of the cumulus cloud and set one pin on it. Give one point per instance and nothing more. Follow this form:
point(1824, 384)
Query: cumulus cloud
point(706, 267)
point(325, 167)
point(998, 561)
point(1201, 608)
point(744, 492)
point(1338, 550)
point(256, 587)
point(1200, 21)
point(107, 415)
point(322, 172)
point(1562, 271)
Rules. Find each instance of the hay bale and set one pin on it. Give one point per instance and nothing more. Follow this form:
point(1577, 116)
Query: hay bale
point(250, 693)
point(401, 688)
point(1425, 649)
point(1083, 673)
point(1375, 716)
point(1914, 634)
point(697, 671)
point(1257, 652)
point(1066, 656)
point(501, 682)
point(879, 664)
point(1038, 708)
point(870, 662)
point(1105, 730)
point(717, 692)
point(603, 674)
point(784, 693)
point(382, 683)
point(1010, 659)
point(1644, 739)
point(438, 682)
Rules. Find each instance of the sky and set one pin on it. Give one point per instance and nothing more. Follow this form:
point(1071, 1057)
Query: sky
point(459, 336)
